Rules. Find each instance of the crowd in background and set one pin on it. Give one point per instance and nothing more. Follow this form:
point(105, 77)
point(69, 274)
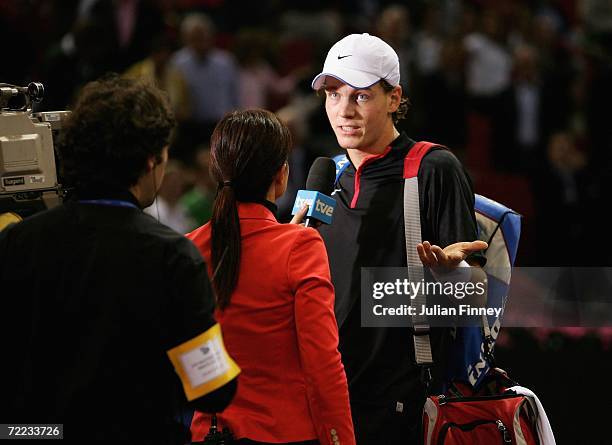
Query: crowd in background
point(519, 90)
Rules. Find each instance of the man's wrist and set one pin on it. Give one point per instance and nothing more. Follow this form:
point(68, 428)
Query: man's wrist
point(461, 273)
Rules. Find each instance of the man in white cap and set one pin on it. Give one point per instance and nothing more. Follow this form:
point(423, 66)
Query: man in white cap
point(363, 101)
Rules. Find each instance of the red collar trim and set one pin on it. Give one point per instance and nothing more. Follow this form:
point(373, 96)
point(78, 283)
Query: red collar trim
point(367, 160)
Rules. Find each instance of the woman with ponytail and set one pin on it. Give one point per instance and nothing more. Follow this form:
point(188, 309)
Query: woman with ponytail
point(274, 296)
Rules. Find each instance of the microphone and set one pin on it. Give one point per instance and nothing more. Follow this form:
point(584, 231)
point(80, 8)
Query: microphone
point(319, 187)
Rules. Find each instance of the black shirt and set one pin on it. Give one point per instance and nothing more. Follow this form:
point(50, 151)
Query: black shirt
point(92, 298)
point(368, 231)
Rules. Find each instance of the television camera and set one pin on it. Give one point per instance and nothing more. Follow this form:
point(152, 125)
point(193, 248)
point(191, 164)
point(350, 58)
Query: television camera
point(28, 164)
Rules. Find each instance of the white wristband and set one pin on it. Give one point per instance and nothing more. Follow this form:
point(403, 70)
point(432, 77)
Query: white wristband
point(461, 273)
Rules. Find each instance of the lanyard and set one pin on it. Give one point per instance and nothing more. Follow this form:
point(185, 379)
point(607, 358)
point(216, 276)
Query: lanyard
point(109, 202)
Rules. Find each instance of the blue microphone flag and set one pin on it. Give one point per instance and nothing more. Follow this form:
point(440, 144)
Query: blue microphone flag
point(320, 207)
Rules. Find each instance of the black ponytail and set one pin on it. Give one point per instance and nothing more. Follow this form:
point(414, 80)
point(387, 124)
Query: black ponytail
point(225, 252)
point(247, 150)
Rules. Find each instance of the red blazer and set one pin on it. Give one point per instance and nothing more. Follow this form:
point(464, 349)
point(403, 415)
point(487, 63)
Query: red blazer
point(281, 330)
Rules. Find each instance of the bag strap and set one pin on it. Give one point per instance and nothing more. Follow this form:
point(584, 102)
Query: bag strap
point(413, 236)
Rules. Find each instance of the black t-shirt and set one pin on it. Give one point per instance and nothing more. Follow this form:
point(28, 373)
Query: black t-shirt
point(92, 298)
point(368, 231)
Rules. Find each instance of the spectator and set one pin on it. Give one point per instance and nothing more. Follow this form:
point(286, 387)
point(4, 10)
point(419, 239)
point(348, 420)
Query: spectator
point(259, 83)
point(168, 207)
point(527, 104)
point(156, 69)
point(562, 202)
point(488, 80)
point(212, 80)
point(199, 200)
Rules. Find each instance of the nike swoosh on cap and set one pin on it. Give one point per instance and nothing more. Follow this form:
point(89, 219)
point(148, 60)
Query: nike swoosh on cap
point(342, 57)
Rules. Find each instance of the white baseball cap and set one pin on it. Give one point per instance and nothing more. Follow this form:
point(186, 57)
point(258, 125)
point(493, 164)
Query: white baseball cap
point(360, 60)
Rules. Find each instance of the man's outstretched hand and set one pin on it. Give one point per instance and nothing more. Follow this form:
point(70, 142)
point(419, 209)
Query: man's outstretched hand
point(435, 257)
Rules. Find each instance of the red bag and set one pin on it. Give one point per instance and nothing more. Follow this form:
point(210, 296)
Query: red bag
point(504, 419)
point(499, 417)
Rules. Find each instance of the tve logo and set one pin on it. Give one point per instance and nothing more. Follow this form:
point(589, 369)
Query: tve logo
point(325, 209)
point(320, 207)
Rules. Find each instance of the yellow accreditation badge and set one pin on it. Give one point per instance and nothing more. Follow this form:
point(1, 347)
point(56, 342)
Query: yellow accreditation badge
point(8, 218)
point(203, 364)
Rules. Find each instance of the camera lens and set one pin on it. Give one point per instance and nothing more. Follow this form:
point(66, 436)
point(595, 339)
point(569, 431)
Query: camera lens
point(36, 91)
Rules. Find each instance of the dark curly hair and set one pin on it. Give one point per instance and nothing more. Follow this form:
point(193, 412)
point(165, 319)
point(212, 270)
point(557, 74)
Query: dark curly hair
point(404, 106)
point(115, 126)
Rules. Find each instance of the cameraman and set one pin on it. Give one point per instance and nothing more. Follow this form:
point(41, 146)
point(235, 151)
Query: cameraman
point(97, 295)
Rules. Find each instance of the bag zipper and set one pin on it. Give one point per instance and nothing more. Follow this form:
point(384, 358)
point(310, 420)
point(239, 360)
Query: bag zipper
point(442, 399)
point(505, 434)
point(504, 431)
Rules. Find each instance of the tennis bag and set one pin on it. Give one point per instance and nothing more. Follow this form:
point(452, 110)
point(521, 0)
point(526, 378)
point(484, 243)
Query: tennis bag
point(495, 414)
point(501, 419)
point(471, 356)
point(481, 404)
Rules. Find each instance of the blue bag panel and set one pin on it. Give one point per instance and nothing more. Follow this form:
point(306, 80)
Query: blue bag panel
point(511, 228)
point(501, 228)
point(467, 362)
point(508, 220)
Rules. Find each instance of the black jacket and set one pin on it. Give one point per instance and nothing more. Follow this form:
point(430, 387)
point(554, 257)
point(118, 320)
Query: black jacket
point(368, 231)
point(93, 296)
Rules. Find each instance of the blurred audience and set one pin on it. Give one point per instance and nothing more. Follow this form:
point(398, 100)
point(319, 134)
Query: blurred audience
point(393, 26)
point(168, 208)
point(128, 26)
point(157, 69)
point(561, 190)
point(211, 74)
point(488, 69)
point(259, 83)
point(527, 108)
point(79, 57)
point(199, 200)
